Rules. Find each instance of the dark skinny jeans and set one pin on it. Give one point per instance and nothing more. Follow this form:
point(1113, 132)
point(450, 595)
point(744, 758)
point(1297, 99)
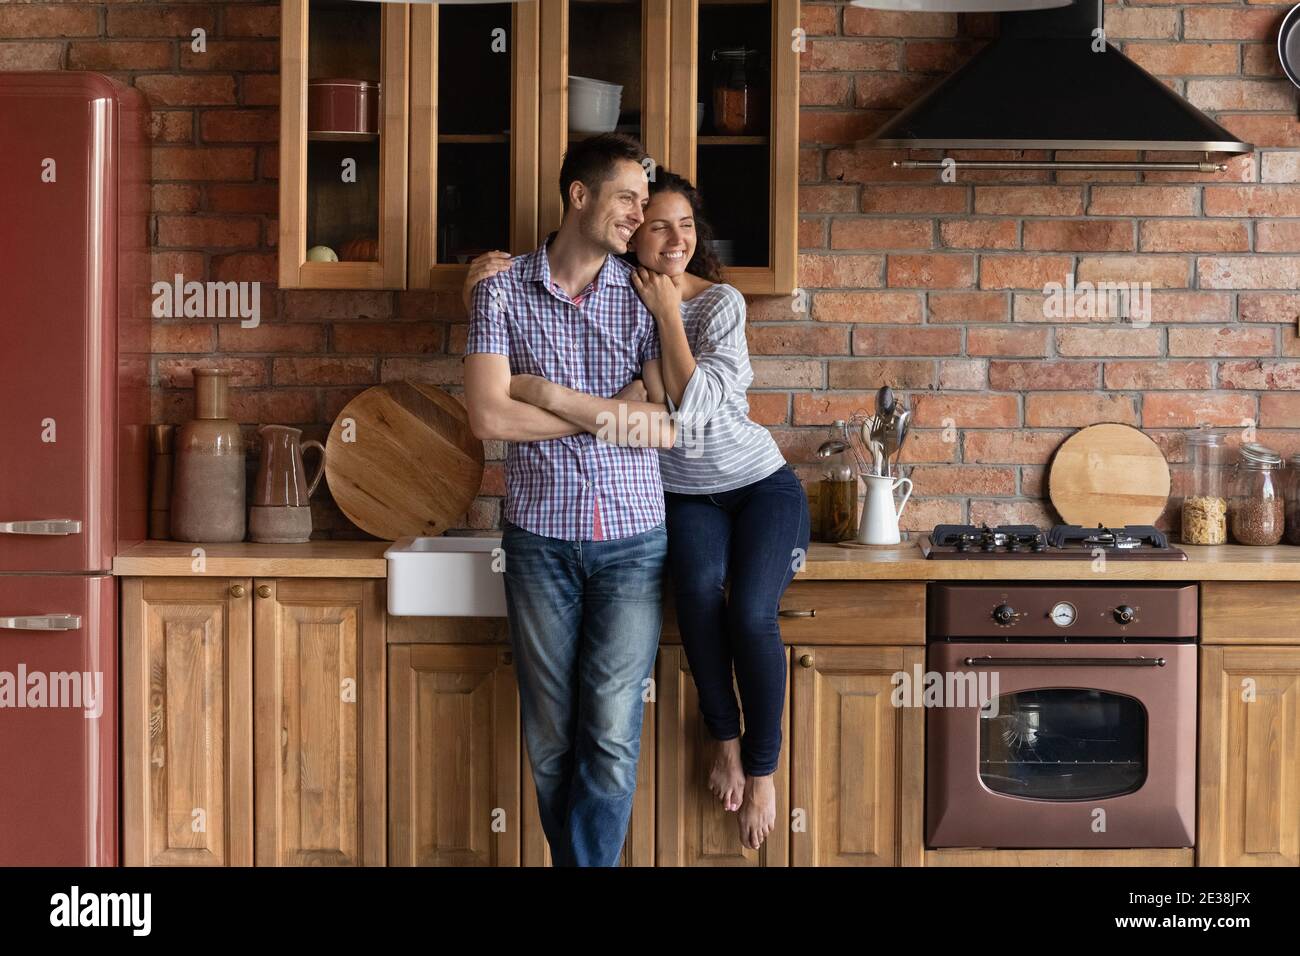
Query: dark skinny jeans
point(753, 537)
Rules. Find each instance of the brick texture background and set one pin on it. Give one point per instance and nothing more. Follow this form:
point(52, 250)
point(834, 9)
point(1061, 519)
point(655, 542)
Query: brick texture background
point(935, 288)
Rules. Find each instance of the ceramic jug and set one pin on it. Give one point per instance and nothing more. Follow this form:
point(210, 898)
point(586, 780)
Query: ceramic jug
point(281, 511)
point(880, 516)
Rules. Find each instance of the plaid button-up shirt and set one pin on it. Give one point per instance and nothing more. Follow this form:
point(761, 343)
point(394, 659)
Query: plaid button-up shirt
point(577, 488)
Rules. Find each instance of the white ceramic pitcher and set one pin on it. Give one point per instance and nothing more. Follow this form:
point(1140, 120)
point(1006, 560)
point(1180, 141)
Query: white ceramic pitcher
point(879, 524)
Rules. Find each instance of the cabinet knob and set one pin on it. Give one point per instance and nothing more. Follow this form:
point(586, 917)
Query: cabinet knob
point(507, 658)
point(236, 590)
point(797, 612)
point(264, 590)
point(806, 660)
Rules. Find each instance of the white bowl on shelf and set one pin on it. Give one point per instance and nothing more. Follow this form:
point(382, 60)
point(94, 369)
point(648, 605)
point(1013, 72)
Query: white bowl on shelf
point(594, 105)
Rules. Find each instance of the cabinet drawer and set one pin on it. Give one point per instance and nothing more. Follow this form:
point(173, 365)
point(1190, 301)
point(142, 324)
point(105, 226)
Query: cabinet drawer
point(841, 612)
point(1250, 612)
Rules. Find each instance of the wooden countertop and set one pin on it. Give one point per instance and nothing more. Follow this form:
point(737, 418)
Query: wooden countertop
point(826, 562)
point(315, 559)
point(1229, 562)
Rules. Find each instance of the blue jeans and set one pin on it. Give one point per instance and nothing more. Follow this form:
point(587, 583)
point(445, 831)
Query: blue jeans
point(584, 625)
point(750, 536)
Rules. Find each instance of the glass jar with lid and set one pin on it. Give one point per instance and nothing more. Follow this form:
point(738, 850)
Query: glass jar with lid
point(1205, 493)
point(1293, 501)
point(739, 92)
point(1257, 512)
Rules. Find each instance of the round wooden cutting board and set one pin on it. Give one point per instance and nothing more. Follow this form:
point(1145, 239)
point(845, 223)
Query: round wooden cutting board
point(1111, 475)
point(412, 467)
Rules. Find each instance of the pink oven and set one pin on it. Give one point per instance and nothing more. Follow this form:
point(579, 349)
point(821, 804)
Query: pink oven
point(1068, 718)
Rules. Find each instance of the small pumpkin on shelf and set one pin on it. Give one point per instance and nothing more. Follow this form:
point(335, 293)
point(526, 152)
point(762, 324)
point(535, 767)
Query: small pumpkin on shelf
point(363, 249)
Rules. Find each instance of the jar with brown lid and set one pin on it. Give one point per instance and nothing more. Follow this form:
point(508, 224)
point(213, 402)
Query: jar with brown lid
point(1257, 513)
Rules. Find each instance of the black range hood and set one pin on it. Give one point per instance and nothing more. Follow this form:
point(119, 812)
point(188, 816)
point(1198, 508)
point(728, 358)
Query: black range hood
point(1040, 85)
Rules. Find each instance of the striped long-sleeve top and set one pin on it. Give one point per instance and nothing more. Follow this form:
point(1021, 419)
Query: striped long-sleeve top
point(719, 448)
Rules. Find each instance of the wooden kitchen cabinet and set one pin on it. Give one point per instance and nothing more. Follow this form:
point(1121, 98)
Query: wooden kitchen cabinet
point(187, 733)
point(454, 756)
point(662, 53)
point(858, 778)
point(639, 846)
point(482, 91)
point(692, 828)
point(749, 176)
point(319, 722)
point(474, 115)
point(338, 187)
point(1249, 799)
point(252, 725)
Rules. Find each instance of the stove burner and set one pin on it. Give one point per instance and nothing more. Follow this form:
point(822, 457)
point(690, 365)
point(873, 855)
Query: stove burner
point(1128, 537)
point(1062, 541)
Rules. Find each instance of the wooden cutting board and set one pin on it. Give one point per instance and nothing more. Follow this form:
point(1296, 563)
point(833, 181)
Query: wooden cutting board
point(1109, 474)
point(411, 467)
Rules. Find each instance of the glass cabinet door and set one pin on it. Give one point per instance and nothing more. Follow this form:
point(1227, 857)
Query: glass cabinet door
point(343, 145)
point(1064, 744)
point(734, 131)
point(474, 136)
point(605, 68)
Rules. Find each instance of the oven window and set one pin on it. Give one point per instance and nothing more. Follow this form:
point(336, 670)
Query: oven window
point(1064, 743)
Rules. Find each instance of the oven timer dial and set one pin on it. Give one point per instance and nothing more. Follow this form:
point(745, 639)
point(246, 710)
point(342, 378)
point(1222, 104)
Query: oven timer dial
point(1063, 614)
point(1125, 614)
point(1005, 615)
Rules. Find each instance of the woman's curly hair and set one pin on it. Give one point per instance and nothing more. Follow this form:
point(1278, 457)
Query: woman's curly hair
point(704, 263)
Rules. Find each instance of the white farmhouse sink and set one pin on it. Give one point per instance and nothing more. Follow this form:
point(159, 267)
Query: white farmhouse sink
point(445, 577)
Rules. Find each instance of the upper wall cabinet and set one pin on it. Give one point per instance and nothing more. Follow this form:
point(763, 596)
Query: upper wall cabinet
point(711, 88)
point(474, 94)
point(343, 129)
point(735, 131)
point(491, 95)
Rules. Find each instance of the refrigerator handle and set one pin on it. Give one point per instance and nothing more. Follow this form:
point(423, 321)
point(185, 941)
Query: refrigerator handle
point(41, 526)
point(41, 622)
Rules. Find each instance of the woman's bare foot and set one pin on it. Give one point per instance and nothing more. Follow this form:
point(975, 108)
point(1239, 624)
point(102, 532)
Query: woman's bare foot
point(726, 777)
point(757, 812)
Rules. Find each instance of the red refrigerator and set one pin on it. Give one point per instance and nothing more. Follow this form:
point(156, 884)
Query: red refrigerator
point(74, 326)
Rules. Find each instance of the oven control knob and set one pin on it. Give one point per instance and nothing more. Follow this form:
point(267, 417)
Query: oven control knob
point(1005, 614)
point(1125, 614)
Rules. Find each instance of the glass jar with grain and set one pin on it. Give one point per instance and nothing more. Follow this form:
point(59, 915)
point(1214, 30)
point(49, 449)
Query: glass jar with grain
point(1257, 512)
point(1205, 497)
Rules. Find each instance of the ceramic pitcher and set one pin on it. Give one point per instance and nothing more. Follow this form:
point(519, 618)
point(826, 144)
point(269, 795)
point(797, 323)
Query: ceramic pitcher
point(281, 511)
point(880, 516)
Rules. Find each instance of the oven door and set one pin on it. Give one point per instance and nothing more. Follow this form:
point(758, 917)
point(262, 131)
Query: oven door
point(1083, 745)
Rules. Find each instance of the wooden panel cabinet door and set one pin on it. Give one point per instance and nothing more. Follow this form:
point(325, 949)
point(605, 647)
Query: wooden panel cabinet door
point(338, 186)
point(187, 734)
point(1250, 757)
point(318, 661)
point(453, 759)
point(734, 132)
point(474, 100)
point(639, 846)
point(859, 762)
point(692, 828)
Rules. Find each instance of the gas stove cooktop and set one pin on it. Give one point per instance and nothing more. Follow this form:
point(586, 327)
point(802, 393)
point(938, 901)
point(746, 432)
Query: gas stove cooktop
point(1062, 542)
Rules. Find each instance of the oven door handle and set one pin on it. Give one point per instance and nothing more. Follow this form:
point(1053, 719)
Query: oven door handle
point(1064, 661)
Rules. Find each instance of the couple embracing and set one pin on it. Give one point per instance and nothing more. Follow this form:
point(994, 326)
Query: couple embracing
point(613, 361)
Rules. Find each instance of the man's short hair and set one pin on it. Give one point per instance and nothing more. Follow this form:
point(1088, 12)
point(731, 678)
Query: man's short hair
point(592, 161)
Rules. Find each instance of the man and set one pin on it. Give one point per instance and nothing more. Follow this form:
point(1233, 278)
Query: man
point(584, 537)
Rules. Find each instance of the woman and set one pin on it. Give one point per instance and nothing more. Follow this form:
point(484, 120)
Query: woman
point(736, 512)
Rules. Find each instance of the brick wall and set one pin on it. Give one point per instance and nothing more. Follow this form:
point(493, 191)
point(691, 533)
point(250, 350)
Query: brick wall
point(934, 288)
